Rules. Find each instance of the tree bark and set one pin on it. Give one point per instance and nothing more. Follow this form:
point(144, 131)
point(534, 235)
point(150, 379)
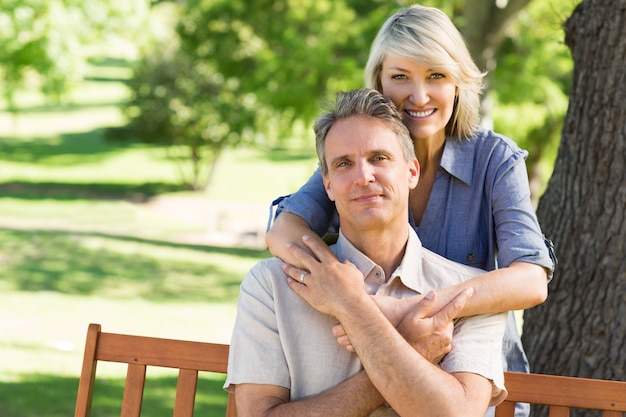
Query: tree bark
point(581, 329)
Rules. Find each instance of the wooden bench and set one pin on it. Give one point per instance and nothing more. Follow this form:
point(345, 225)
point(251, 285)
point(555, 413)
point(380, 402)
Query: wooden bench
point(562, 393)
point(139, 352)
point(558, 392)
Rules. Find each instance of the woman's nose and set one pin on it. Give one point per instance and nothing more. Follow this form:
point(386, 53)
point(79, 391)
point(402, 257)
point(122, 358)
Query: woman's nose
point(419, 94)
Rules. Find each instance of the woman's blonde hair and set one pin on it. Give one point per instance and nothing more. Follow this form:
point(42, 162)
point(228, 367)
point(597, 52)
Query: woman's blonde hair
point(427, 36)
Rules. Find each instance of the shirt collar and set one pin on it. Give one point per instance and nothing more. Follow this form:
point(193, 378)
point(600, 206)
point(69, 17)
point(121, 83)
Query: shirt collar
point(344, 249)
point(409, 271)
point(458, 159)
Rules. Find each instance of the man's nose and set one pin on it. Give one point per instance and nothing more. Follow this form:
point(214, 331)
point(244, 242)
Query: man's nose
point(364, 173)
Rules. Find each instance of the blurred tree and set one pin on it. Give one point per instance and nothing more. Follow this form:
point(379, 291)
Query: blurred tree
point(197, 113)
point(580, 331)
point(241, 73)
point(530, 83)
point(288, 55)
point(50, 40)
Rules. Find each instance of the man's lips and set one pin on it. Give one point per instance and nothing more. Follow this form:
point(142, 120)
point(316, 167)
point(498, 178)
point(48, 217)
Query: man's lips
point(367, 197)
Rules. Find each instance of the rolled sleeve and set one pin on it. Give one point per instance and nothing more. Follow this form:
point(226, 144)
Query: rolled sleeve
point(519, 236)
point(477, 348)
point(256, 355)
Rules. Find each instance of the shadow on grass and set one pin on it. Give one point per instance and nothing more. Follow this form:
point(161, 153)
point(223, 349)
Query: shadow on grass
point(62, 150)
point(55, 396)
point(96, 263)
point(78, 191)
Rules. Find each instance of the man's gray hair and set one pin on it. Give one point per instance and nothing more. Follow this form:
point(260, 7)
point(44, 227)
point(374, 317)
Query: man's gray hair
point(363, 102)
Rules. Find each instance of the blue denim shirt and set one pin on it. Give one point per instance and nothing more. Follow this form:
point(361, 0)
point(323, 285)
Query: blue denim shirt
point(479, 213)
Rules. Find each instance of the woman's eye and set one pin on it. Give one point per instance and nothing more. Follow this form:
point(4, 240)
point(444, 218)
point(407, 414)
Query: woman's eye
point(437, 76)
point(399, 77)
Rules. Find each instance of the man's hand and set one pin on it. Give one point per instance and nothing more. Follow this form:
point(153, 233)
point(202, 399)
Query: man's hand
point(431, 336)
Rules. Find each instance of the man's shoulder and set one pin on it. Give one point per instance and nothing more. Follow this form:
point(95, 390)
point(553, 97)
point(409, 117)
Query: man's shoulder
point(267, 270)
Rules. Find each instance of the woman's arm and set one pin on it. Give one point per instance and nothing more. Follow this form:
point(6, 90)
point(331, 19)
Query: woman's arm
point(289, 228)
point(519, 286)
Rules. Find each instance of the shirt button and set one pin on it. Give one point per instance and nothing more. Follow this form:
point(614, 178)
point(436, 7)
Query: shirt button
point(470, 257)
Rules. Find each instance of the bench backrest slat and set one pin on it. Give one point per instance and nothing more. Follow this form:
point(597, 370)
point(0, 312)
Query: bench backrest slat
point(562, 393)
point(140, 352)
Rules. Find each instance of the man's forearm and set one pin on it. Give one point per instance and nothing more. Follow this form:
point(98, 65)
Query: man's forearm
point(355, 397)
point(403, 376)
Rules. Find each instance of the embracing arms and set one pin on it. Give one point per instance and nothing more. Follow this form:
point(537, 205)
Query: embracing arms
point(410, 383)
point(519, 286)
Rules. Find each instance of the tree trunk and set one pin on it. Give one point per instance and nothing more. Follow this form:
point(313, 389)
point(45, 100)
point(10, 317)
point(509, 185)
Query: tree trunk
point(484, 31)
point(581, 329)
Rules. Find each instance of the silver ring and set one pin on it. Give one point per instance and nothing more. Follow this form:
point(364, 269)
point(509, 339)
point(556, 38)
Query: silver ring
point(302, 274)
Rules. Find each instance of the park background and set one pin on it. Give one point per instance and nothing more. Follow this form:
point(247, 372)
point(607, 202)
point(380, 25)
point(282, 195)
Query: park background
point(102, 216)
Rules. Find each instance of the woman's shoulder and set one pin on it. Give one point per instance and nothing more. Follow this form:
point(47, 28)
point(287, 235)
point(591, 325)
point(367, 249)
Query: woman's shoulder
point(487, 138)
point(488, 145)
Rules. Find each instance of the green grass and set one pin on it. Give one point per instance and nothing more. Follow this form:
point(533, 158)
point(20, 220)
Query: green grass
point(96, 232)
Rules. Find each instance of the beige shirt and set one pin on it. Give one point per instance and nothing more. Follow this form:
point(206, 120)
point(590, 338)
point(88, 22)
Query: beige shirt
point(279, 339)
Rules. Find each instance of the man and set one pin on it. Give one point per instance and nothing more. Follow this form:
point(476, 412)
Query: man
point(284, 359)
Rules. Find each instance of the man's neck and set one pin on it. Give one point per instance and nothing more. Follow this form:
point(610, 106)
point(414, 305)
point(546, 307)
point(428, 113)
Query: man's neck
point(384, 247)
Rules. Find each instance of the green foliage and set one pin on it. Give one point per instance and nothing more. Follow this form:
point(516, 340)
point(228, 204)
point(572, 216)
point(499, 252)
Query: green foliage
point(180, 100)
point(47, 42)
point(531, 82)
point(290, 53)
point(243, 73)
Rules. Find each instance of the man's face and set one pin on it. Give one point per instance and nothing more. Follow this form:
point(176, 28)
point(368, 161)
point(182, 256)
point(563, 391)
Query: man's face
point(368, 176)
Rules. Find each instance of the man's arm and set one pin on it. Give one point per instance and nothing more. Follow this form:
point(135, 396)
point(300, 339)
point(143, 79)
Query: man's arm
point(409, 382)
point(355, 397)
point(412, 385)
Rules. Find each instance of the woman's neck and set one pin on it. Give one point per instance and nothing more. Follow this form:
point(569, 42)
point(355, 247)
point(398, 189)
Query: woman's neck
point(428, 153)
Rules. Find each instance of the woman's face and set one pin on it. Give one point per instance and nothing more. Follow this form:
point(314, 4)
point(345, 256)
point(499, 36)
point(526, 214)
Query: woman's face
point(424, 96)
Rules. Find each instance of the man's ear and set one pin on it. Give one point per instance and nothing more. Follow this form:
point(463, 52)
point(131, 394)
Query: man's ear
point(329, 190)
point(414, 173)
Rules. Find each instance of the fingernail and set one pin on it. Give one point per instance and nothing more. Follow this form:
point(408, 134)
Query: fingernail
point(430, 295)
point(306, 237)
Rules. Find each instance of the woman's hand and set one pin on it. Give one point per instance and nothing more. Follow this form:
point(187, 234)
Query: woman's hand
point(330, 286)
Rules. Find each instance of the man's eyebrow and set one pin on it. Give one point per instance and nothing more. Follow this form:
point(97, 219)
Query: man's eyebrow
point(338, 158)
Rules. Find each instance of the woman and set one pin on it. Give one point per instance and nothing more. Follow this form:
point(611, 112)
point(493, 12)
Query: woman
point(472, 204)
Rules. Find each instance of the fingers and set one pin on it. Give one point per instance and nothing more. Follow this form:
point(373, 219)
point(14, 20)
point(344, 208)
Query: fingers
point(338, 331)
point(454, 307)
point(342, 337)
point(318, 247)
point(425, 306)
